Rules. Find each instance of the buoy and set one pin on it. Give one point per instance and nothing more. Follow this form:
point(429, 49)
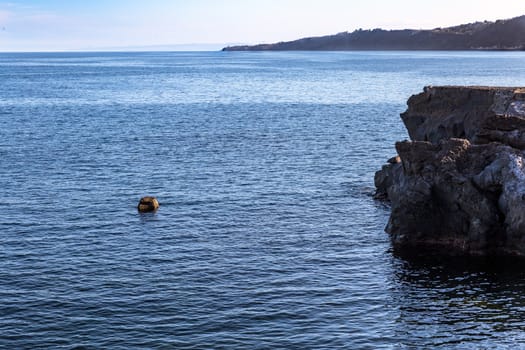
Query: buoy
point(148, 204)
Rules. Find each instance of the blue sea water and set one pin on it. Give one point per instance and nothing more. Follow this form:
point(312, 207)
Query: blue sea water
point(267, 236)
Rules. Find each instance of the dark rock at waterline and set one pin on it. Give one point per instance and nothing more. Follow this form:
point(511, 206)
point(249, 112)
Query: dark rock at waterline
point(148, 204)
point(459, 184)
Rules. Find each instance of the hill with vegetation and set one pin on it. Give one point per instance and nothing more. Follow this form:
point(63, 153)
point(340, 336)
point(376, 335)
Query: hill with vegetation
point(506, 34)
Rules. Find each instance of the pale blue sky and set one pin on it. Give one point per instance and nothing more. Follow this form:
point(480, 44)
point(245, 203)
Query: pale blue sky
point(36, 25)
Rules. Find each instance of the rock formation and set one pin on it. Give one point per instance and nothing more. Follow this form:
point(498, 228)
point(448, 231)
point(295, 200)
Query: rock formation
point(458, 186)
point(148, 204)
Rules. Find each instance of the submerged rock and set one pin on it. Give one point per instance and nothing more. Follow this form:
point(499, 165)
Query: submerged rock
point(458, 187)
point(148, 204)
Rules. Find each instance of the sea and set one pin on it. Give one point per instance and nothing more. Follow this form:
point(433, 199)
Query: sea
point(267, 235)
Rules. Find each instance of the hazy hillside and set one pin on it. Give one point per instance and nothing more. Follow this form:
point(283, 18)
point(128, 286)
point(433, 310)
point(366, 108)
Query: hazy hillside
point(500, 35)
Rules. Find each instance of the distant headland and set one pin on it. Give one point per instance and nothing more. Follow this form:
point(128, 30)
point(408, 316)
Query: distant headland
point(506, 34)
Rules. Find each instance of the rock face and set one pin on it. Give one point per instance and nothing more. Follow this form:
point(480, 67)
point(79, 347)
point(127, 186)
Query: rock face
point(458, 187)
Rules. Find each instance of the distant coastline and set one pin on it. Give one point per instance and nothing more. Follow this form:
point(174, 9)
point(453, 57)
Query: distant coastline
point(508, 35)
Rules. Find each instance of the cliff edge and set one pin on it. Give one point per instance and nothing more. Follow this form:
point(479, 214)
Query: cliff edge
point(458, 186)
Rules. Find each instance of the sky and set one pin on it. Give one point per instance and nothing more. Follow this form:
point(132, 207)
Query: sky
point(62, 25)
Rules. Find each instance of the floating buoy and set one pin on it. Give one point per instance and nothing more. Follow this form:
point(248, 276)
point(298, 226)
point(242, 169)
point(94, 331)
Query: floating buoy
point(148, 204)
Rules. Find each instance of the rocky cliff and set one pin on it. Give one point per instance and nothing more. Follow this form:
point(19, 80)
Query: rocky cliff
point(458, 186)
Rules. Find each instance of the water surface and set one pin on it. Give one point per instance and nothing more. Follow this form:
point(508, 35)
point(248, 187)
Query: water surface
point(267, 236)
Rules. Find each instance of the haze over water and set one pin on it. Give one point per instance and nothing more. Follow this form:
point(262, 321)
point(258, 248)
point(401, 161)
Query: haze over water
point(267, 235)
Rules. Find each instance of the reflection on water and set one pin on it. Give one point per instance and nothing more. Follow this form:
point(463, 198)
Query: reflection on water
point(463, 301)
